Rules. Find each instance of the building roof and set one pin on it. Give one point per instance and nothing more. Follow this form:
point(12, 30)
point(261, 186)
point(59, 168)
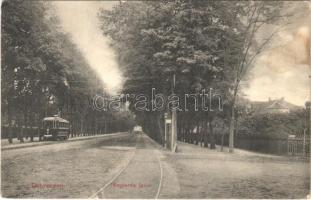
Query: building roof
point(277, 104)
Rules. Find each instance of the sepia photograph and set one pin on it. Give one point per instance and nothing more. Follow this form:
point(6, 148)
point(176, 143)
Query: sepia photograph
point(155, 99)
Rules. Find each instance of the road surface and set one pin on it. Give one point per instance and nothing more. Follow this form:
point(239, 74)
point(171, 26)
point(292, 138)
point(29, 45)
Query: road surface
point(134, 166)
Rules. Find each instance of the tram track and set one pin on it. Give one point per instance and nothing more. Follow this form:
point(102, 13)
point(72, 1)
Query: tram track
point(101, 190)
point(140, 144)
point(161, 178)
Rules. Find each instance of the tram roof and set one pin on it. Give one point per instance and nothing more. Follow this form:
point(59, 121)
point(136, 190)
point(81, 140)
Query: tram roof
point(55, 119)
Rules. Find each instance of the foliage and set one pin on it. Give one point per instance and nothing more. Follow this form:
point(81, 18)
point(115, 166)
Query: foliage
point(277, 125)
point(43, 73)
point(199, 42)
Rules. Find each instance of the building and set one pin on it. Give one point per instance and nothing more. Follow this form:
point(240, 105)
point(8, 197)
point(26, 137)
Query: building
point(272, 106)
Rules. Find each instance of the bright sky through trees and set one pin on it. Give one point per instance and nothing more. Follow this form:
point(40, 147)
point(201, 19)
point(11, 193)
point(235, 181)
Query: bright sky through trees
point(290, 80)
point(79, 18)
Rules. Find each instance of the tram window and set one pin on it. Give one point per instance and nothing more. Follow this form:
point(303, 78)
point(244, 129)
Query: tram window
point(48, 124)
point(62, 125)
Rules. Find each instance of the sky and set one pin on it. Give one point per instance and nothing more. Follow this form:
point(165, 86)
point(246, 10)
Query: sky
point(283, 69)
point(79, 18)
point(278, 72)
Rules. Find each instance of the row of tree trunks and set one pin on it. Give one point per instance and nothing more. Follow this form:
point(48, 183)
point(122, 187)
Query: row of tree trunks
point(79, 127)
point(203, 136)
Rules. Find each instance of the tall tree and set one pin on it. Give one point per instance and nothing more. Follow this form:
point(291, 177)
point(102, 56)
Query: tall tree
point(185, 38)
point(253, 16)
point(43, 72)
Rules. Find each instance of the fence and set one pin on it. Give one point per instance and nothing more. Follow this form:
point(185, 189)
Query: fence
point(298, 146)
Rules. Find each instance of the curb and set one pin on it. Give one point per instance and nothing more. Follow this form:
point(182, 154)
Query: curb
point(34, 144)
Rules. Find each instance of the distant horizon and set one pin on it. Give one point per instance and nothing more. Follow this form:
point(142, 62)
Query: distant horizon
point(276, 98)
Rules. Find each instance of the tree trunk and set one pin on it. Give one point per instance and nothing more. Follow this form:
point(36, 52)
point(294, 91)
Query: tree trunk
point(232, 120)
point(191, 136)
point(205, 134)
point(231, 130)
point(179, 130)
point(197, 135)
point(31, 128)
point(81, 126)
point(21, 134)
point(188, 140)
point(212, 136)
point(25, 124)
point(10, 129)
point(160, 128)
point(105, 125)
point(202, 133)
point(39, 124)
point(222, 140)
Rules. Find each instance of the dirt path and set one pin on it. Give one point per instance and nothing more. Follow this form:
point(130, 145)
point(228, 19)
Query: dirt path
point(64, 170)
point(134, 166)
point(204, 173)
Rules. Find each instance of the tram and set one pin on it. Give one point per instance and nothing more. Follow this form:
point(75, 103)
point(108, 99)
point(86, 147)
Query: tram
point(55, 128)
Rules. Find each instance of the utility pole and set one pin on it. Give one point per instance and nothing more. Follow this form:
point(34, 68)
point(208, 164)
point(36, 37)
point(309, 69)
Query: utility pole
point(310, 97)
point(309, 107)
point(174, 121)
